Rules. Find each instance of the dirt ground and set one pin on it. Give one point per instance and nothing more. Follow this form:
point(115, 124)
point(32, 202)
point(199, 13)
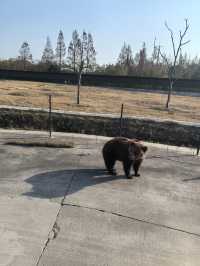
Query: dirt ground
point(99, 100)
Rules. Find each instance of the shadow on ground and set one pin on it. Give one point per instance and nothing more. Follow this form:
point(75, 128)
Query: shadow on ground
point(58, 183)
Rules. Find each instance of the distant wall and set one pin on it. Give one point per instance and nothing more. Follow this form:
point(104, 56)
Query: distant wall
point(188, 85)
point(162, 131)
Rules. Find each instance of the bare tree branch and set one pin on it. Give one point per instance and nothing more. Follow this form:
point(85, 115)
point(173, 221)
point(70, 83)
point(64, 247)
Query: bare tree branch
point(164, 57)
point(172, 37)
point(181, 43)
point(181, 37)
point(184, 43)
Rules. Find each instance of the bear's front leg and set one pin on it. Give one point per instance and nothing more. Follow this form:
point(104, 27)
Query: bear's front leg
point(136, 166)
point(127, 167)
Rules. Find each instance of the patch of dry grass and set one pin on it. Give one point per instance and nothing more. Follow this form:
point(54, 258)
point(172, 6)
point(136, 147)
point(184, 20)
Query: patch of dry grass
point(48, 143)
point(99, 100)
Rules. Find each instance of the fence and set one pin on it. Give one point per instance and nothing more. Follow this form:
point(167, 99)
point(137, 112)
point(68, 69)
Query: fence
point(183, 85)
point(53, 107)
point(153, 130)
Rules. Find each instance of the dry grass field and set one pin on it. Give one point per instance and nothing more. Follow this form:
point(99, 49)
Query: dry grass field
point(99, 100)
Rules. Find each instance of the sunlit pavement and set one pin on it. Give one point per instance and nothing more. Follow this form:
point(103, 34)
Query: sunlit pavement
point(60, 207)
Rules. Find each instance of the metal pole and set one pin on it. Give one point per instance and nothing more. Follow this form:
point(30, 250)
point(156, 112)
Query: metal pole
point(50, 117)
point(121, 119)
point(198, 148)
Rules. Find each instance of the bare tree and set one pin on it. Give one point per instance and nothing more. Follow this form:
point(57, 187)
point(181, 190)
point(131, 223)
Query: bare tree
point(171, 65)
point(81, 56)
point(25, 54)
point(156, 53)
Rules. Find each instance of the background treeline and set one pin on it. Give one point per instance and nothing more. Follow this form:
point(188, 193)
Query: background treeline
point(64, 58)
point(153, 65)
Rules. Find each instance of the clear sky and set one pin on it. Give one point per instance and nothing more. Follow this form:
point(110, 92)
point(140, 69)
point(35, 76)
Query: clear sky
point(111, 22)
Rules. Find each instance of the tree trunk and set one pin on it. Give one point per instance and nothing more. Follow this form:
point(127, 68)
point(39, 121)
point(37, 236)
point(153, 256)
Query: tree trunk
point(24, 63)
point(60, 60)
point(171, 82)
point(78, 88)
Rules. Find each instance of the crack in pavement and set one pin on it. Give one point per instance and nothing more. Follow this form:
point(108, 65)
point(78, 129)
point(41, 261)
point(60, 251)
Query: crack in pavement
point(133, 219)
point(55, 229)
point(171, 158)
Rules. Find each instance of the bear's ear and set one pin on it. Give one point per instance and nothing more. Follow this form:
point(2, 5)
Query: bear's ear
point(144, 148)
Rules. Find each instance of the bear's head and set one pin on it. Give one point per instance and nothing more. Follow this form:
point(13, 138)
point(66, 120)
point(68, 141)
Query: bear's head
point(137, 150)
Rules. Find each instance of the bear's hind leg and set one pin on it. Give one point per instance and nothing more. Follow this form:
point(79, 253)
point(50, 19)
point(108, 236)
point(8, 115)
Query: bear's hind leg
point(110, 162)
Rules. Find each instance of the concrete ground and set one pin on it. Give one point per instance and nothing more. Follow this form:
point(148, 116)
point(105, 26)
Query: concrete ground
point(59, 207)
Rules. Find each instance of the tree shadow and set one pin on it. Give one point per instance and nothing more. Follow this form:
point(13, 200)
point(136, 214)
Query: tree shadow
point(54, 184)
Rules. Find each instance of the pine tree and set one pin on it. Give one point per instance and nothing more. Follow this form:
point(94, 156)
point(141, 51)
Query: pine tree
point(142, 59)
point(25, 54)
point(90, 54)
point(126, 56)
point(48, 55)
point(60, 49)
point(73, 50)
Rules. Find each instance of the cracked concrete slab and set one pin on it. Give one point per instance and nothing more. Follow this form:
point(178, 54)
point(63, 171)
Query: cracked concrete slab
point(24, 226)
point(60, 207)
point(33, 181)
point(167, 192)
point(90, 238)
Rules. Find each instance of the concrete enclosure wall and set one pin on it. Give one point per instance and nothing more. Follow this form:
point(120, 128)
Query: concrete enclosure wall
point(161, 131)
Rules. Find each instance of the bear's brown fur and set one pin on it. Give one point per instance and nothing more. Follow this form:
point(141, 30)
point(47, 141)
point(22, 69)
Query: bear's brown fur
point(129, 151)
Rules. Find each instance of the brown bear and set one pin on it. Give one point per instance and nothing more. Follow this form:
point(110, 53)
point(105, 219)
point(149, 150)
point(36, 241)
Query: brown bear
point(129, 151)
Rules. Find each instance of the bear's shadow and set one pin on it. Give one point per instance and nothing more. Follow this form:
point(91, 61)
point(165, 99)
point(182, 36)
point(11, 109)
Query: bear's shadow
point(54, 184)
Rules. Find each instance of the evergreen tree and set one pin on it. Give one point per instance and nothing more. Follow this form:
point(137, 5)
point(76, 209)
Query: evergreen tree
point(125, 56)
point(142, 59)
point(73, 50)
point(60, 49)
point(25, 54)
point(48, 55)
point(90, 54)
